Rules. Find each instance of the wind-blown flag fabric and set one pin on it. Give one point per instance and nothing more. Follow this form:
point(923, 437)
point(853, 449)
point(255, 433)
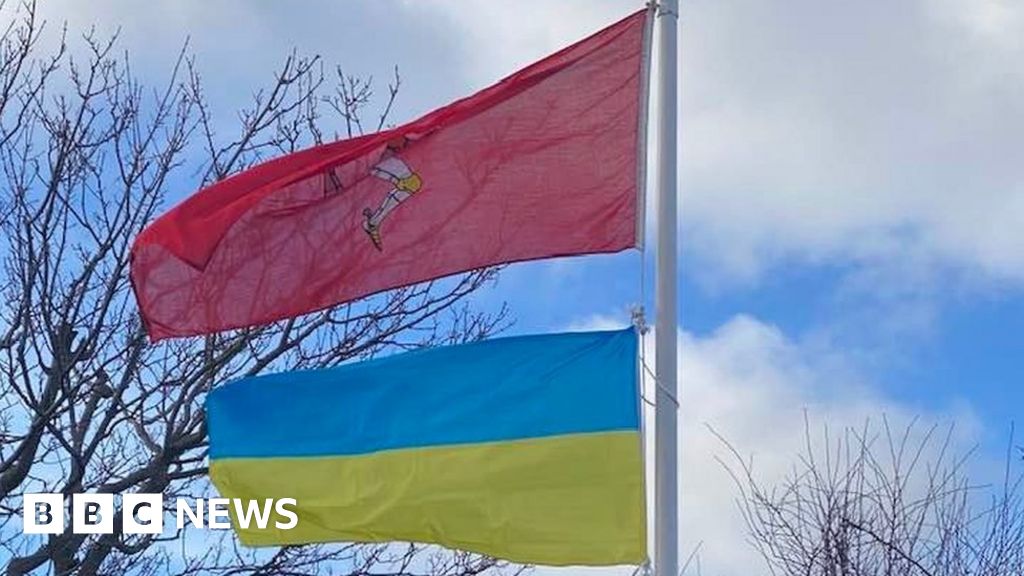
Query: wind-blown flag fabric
point(548, 162)
point(525, 448)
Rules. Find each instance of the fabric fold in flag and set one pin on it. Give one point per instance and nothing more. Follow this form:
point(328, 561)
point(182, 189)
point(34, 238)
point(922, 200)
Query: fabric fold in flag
point(548, 162)
point(525, 448)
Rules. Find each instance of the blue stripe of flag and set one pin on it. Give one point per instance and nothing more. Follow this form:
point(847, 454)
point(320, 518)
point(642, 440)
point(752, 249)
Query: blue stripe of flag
point(495, 390)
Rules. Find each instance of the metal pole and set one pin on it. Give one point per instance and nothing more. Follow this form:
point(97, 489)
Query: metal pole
point(666, 465)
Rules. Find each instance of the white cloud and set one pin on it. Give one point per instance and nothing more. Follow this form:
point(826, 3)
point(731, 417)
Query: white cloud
point(853, 132)
point(501, 37)
point(600, 322)
point(754, 386)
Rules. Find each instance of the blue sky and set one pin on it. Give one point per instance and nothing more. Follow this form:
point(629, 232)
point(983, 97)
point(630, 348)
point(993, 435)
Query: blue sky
point(852, 195)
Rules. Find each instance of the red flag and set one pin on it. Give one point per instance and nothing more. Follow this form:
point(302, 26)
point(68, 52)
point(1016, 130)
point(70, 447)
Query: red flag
point(547, 162)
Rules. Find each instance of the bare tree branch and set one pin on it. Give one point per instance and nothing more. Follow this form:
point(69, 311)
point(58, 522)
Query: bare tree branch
point(87, 156)
point(882, 502)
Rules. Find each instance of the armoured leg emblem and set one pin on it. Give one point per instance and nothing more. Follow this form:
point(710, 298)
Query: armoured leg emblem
point(404, 181)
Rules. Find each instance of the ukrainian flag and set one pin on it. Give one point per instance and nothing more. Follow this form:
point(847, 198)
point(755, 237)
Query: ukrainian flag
point(524, 448)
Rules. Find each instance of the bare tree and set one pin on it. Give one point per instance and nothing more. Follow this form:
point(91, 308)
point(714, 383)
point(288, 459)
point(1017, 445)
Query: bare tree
point(88, 154)
point(878, 501)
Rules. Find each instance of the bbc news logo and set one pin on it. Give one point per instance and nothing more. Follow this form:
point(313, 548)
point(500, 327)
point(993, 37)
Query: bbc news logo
point(144, 513)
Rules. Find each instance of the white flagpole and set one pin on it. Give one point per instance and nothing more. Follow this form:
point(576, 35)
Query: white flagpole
point(666, 471)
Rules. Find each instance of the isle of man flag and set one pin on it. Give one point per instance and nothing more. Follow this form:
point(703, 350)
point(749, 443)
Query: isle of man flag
point(547, 162)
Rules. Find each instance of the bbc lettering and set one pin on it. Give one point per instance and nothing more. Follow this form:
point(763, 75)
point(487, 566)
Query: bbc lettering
point(144, 513)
